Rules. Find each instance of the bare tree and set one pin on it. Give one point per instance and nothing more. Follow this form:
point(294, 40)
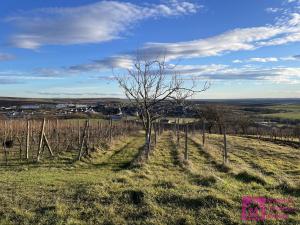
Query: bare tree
point(151, 83)
point(179, 101)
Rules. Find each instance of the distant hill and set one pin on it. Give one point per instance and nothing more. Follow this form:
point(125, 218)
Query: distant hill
point(8, 101)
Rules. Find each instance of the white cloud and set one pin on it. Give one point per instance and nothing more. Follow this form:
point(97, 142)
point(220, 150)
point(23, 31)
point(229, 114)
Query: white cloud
point(284, 31)
point(107, 64)
point(237, 61)
point(272, 10)
point(257, 59)
point(290, 1)
point(290, 75)
point(235, 40)
point(123, 62)
point(94, 23)
point(267, 59)
point(214, 72)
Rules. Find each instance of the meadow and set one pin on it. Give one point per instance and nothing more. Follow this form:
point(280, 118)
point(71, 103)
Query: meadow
point(104, 187)
point(290, 111)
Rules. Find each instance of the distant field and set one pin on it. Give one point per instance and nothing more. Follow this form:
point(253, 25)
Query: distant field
point(167, 190)
point(293, 112)
point(292, 115)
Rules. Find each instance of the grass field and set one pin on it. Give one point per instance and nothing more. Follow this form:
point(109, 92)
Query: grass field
point(292, 112)
point(103, 189)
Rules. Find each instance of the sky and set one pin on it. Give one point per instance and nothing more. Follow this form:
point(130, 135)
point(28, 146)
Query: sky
point(73, 48)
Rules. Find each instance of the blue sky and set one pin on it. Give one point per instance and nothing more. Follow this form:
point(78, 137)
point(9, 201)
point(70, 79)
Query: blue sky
point(67, 48)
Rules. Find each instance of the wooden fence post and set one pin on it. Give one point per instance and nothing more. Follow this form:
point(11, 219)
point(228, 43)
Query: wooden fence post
point(225, 145)
point(42, 144)
point(78, 124)
point(186, 153)
point(57, 137)
point(178, 131)
point(48, 145)
point(83, 139)
point(4, 144)
point(155, 134)
point(41, 141)
point(27, 140)
point(203, 132)
point(88, 138)
point(110, 130)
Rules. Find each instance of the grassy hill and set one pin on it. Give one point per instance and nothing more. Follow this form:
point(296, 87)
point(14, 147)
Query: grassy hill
point(103, 189)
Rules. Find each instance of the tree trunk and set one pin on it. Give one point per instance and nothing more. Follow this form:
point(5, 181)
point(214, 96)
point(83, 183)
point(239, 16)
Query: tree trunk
point(220, 128)
point(148, 143)
point(148, 128)
point(209, 128)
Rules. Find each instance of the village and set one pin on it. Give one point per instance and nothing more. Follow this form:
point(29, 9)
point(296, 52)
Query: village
point(62, 110)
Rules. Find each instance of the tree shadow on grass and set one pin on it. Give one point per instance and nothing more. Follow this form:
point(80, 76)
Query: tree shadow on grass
point(218, 166)
point(117, 162)
point(247, 177)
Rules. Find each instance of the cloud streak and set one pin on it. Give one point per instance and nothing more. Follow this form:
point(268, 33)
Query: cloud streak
point(93, 23)
point(267, 59)
point(284, 31)
point(123, 62)
point(6, 57)
point(290, 75)
point(8, 81)
point(80, 94)
point(17, 77)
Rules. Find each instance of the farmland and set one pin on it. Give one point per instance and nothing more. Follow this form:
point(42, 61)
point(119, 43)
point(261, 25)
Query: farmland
point(289, 112)
point(105, 188)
